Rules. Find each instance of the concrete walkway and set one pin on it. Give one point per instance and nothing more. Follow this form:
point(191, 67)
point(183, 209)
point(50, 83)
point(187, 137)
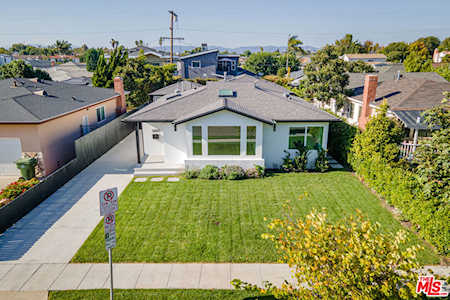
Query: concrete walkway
point(42, 277)
point(53, 231)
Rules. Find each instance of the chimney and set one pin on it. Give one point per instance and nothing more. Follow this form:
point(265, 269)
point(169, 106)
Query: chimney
point(370, 91)
point(436, 56)
point(121, 106)
point(204, 46)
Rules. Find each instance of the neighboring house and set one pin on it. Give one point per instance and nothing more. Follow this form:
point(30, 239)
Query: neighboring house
point(370, 58)
point(438, 56)
point(296, 77)
point(407, 98)
point(63, 58)
point(242, 121)
point(44, 118)
point(227, 63)
point(154, 57)
point(70, 72)
point(5, 59)
point(175, 88)
point(394, 80)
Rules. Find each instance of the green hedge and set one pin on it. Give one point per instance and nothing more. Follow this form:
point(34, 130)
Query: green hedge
point(400, 188)
point(340, 139)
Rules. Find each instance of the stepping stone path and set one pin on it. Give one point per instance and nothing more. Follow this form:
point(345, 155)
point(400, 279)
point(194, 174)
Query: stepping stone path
point(334, 164)
point(140, 179)
point(157, 179)
point(173, 179)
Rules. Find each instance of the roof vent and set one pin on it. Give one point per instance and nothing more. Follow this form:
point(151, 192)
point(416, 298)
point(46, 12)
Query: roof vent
point(227, 93)
point(40, 93)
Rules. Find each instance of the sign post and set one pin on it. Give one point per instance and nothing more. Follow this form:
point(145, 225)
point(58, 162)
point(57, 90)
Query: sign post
point(108, 207)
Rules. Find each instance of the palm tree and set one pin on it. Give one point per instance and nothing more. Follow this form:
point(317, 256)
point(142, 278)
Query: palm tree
point(62, 47)
point(114, 43)
point(294, 47)
point(139, 43)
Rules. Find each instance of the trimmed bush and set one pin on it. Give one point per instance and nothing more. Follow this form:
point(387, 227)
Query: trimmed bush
point(340, 139)
point(191, 173)
point(209, 172)
point(322, 164)
point(232, 172)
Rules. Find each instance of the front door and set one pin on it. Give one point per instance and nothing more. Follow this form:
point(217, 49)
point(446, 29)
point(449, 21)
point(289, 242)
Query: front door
point(157, 146)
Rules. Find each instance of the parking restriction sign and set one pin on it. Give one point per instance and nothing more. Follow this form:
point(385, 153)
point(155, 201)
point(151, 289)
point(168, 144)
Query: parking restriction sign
point(108, 201)
point(110, 231)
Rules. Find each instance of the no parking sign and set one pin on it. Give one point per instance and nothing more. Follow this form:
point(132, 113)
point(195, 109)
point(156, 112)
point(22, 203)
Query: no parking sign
point(108, 201)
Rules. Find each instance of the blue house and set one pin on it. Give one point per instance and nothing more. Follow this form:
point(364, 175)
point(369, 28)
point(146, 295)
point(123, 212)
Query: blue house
point(208, 64)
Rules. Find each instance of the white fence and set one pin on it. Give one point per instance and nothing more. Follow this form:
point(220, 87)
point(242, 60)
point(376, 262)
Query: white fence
point(407, 150)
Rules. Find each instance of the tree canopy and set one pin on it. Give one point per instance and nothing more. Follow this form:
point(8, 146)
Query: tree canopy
point(103, 74)
point(430, 42)
point(264, 63)
point(419, 59)
point(396, 51)
point(348, 45)
point(20, 69)
point(445, 45)
point(358, 67)
point(326, 76)
point(91, 57)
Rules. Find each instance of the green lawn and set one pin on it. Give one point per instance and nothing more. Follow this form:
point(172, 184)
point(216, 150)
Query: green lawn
point(156, 295)
point(222, 221)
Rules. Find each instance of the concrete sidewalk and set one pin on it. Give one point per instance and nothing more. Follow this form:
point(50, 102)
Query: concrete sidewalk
point(42, 277)
point(53, 231)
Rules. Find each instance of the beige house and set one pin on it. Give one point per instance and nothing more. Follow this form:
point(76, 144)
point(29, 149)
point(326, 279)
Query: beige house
point(44, 118)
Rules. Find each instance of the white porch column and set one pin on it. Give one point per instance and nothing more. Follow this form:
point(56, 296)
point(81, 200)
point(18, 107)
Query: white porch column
point(204, 140)
point(243, 140)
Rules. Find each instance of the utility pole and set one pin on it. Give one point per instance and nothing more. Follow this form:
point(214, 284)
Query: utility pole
point(173, 17)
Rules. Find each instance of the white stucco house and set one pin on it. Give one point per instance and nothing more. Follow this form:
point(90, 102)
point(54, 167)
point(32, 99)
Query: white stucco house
point(242, 121)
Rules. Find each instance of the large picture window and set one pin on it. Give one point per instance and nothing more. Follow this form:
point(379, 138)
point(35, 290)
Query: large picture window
point(196, 140)
point(309, 136)
point(224, 140)
point(251, 140)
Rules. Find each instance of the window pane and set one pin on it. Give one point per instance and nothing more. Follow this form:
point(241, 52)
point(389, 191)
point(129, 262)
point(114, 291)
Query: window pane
point(224, 140)
point(314, 139)
point(196, 140)
point(98, 115)
point(296, 135)
point(251, 140)
point(103, 113)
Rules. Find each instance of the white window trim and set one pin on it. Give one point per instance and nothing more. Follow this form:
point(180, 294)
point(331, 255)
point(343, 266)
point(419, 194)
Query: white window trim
point(104, 113)
point(306, 133)
point(199, 64)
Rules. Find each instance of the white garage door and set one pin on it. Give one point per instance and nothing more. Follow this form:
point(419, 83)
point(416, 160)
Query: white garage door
point(10, 151)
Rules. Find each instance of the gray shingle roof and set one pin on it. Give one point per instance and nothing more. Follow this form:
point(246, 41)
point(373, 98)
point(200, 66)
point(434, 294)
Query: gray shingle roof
point(182, 85)
point(20, 104)
point(198, 54)
point(409, 94)
point(409, 118)
point(259, 99)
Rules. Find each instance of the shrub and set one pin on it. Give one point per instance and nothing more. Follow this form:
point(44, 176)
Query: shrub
point(251, 173)
point(261, 171)
point(191, 173)
point(340, 139)
point(287, 165)
point(349, 259)
point(322, 164)
point(15, 189)
point(301, 158)
point(209, 172)
point(232, 172)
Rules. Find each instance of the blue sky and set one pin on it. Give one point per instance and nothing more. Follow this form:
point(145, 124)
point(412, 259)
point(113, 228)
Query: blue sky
point(226, 23)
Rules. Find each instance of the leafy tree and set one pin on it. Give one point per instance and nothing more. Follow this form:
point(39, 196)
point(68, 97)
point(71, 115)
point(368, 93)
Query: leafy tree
point(396, 52)
point(20, 69)
point(62, 47)
point(419, 59)
point(326, 76)
point(139, 43)
point(4, 51)
point(371, 47)
point(444, 70)
point(445, 45)
point(381, 136)
point(348, 259)
point(348, 45)
point(91, 56)
point(430, 42)
point(189, 52)
point(103, 74)
point(141, 78)
point(247, 53)
point(359, 67)
point(293, 62)
point(263, 62)
point(433, 164)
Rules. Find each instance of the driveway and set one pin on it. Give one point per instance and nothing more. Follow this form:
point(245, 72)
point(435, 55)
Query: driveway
point(53, 231)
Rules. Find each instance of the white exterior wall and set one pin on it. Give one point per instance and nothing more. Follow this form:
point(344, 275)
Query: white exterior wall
point(275, 142)
point(176, 146)
point(10, 151)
